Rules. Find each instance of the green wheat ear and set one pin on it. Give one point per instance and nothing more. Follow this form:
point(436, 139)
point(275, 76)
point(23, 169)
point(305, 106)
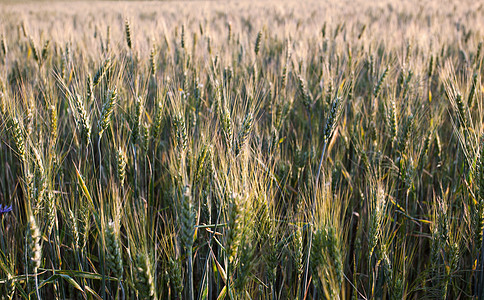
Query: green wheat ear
point(478, 207)
point(257, 43)
point(136, 131)
point(144, 277)
point(51, 209)
point(181, 133)
point(107, 110)
point(153, 61)
point(175, 275)
point(158, 120)
point(244, 133)
point(333, 117)
point(3, 45)
point(188, 221)
point(83, 120)
point(34, 49)
point(45, 50)
point(379, 84)
point(18, 137)
point(229, 32)
point(392, 119)
point(53, 123)
point(3, 100)
point(182, 37)
point(101, 72)
point(121, 162)
point(127, 31)
point(306, 96)
point(379, 205)
point(472, 92)
point(227, 126)
point(114, 257)
point(33, 245)
point(233, 236)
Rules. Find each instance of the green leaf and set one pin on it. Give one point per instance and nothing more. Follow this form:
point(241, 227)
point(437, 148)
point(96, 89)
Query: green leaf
point(93, 293)
point(222, 294)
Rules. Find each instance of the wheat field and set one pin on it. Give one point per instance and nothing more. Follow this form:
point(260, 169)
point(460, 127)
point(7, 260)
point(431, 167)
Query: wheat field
point(242, 150)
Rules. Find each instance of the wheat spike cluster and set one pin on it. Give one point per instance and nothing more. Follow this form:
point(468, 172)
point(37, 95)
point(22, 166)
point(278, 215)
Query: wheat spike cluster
point(242, 150)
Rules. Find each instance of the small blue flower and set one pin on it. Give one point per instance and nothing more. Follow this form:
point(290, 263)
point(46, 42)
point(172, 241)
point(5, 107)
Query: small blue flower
point(5, 209)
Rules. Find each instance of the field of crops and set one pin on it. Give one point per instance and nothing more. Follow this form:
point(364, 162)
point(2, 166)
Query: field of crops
point(242, 150)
